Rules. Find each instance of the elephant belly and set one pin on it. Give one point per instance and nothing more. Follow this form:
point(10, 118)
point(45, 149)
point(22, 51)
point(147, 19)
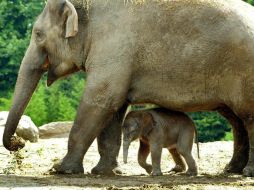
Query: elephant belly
point(193, 94)
point(172, 98)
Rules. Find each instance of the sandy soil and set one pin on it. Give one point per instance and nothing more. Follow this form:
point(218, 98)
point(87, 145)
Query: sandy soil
point(29, 170)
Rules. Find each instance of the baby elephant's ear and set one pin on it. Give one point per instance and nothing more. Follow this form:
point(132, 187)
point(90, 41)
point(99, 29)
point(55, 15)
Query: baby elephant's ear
point(147, 123)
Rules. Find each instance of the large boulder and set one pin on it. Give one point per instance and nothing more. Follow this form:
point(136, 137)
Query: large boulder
point(26, 127)
point(55, 130)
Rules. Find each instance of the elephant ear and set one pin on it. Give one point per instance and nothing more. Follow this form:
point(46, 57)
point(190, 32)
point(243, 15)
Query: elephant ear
point(147, 123)
point(72, 20)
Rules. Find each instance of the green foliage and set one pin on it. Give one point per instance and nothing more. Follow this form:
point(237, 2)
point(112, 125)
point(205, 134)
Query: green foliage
point(16, 20)
point(250, 1)
point(57, 103)
point(228, 136)
point(37, 109)
point(63, 98)
point(210, 126)
point(5, 103)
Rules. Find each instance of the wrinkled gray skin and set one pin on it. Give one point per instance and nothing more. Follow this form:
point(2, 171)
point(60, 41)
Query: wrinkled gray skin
point(185, 55)
point(156, 129)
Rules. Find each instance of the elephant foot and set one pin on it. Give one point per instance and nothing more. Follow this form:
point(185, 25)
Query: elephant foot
point(106, 171)
point(62, 167)
point(103, 168)
point(236, 166)
point(192, 173)
point(177, 169)
point(156, 173)
point(233, 168)
point(248, 171)
point(149, 169)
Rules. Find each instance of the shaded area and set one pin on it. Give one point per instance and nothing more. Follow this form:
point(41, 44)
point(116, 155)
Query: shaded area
point(124, 181)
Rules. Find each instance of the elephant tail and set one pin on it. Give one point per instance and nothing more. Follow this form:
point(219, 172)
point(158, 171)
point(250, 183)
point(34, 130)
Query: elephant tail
point(196, 141)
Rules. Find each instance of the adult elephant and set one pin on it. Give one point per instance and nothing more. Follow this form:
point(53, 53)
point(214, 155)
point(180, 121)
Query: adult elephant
point(179, 54)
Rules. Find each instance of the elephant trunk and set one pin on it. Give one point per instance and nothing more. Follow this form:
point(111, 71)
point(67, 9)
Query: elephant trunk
point(126, 145)
point(29, 75)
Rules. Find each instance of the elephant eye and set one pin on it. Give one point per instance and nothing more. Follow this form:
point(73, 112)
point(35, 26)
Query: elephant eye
point(38, 33)
point(39, 36)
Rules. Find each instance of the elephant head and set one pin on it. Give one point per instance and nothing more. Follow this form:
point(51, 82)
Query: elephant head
point(138, 124)
point(55, 47)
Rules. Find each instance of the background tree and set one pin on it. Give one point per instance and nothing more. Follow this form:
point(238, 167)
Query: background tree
point(16, 22)
point(211, 126)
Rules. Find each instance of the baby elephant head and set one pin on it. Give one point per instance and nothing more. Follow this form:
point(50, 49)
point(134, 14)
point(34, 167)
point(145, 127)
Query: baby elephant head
point(137, 124)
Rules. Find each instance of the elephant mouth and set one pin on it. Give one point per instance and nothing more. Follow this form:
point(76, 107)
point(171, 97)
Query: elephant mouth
point(62, 70)
point(45, 65)
point(51, 76)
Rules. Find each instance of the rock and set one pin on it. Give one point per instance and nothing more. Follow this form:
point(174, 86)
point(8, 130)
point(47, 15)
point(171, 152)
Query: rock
point(26, 127)
point(55, 130)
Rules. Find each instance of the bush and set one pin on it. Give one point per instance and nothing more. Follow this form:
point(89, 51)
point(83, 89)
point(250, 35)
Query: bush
point(211, 126)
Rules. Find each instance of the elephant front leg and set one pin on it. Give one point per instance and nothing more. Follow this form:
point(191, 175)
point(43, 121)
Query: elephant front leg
point(86, 128)
point(109, 142)
point(156, 151)
point(143, 152)
point(96, 109)
point(241, 142)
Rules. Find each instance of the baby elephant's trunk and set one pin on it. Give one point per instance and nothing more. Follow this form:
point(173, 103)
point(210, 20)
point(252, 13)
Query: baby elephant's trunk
point(126, 145)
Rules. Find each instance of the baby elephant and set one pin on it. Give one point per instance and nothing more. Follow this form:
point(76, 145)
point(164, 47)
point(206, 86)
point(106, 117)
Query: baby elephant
point(161, 128)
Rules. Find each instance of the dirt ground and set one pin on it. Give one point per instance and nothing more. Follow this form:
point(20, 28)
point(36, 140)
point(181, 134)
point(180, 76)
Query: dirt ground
point(29, 170)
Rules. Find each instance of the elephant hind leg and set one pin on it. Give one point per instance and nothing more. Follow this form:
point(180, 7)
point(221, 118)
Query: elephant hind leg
point(241, 142)
point(192, 166)
point(248, 171)
point(179, 162)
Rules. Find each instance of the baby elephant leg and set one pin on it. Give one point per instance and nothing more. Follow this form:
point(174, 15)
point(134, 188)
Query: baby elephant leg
point(143, 152)
point(192, 166)
point(184, 147)
point(180, 165)
point(156, 151)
